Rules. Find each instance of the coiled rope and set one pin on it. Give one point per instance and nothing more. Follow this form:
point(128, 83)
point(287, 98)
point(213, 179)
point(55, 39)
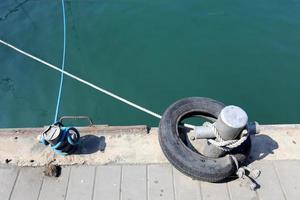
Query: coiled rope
point(244, 173)
point(63, 62)
point(225, 145)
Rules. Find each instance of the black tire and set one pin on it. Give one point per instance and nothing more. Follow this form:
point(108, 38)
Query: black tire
point(185, 159)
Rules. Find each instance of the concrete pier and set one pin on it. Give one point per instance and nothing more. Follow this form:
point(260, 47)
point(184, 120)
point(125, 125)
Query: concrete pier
point(127, 163)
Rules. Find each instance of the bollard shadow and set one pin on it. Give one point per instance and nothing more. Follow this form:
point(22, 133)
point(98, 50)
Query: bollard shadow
point(90, 144)
point(262, 146)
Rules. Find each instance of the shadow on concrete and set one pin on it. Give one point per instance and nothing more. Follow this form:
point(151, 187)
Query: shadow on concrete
point(262, 146)
point(91, 144)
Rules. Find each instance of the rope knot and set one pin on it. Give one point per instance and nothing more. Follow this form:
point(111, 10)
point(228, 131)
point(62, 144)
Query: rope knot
point(246, 174)
point(226, 145)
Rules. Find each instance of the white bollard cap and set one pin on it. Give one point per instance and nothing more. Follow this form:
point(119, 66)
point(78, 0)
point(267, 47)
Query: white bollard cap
point(234, 117)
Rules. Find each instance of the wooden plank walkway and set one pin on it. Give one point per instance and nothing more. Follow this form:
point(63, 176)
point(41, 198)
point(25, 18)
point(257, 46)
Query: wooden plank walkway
point(279, 180)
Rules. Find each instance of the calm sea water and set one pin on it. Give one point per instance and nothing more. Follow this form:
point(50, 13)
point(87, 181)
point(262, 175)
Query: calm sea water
point(152, 52)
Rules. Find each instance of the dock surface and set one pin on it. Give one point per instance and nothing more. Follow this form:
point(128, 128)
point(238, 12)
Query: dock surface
point(132, 167)
point(279, 180)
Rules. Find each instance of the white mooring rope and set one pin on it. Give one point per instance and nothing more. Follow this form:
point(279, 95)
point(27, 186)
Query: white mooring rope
point(83, 81)
point(243, 172)
point(89, 84)
point(225, 145)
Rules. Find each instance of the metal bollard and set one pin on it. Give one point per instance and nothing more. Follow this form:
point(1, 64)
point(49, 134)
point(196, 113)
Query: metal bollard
point(231, 121)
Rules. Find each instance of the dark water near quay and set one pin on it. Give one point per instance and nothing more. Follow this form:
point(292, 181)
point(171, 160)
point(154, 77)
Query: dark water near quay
point(152, 52)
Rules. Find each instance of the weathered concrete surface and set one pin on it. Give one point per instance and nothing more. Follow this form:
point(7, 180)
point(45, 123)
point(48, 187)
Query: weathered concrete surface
point(132, 145)
point(277, 142)
point(99, 145)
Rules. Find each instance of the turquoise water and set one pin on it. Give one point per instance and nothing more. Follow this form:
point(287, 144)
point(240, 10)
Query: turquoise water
point(150, 52)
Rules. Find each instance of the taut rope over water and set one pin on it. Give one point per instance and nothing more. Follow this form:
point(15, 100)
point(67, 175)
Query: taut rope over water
point(145, 110)
point(83, 81)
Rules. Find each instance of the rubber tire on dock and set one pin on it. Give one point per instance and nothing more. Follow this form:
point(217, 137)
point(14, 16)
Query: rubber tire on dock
point(185, 159)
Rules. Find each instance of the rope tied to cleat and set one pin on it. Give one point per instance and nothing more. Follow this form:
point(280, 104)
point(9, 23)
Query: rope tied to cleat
point(225, 145)
point(63, 140)
point(224, 140)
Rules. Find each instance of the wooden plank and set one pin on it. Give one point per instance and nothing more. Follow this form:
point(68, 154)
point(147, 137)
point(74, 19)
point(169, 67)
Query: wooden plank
point(160, 182)
point(185, 187)
point(134, 183)
point(214, 191)
point(269, 183)
point(107, 183)
point(7, 181)
point(81, 183)
point(240, 191)
point(289, 176)
point(28, 184)
point(55, 188)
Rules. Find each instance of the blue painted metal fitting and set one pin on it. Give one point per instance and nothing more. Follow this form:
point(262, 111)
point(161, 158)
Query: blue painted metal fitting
point(63, 140)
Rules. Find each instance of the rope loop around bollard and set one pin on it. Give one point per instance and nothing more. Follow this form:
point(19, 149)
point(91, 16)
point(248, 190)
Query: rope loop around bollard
point(188, 160)
point(226, 145)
